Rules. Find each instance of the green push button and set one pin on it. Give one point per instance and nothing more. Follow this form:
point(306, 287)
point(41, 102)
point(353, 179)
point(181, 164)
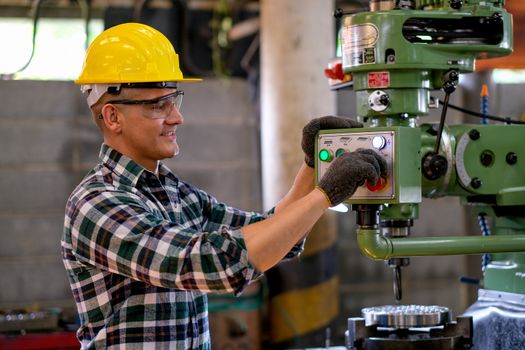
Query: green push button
point(339, 152)
point(325, 155)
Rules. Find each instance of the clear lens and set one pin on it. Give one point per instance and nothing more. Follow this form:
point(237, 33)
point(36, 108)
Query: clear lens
point(163, 107)
point(159, 109)
point(178, 100)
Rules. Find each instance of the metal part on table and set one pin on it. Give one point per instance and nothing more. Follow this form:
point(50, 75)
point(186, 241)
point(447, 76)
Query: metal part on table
point(456, 335)
point(406, 316)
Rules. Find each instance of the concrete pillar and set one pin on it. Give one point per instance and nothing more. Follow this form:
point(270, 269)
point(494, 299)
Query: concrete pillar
point(297, 42)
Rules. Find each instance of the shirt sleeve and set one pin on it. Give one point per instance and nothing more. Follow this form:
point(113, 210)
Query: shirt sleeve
point(219, 215)
point(116, 231)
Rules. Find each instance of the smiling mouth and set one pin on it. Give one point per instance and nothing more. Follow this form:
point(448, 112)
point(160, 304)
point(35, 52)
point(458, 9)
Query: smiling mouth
point(168, 133)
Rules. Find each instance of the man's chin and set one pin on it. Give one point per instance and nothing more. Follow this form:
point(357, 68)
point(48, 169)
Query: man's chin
point(171, 153)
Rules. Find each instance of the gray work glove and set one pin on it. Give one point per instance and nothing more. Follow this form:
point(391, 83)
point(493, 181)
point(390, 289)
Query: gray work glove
point(349, 171)
point(323, 123)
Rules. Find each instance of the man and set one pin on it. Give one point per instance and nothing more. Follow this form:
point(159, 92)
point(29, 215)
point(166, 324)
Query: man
point(142, 247)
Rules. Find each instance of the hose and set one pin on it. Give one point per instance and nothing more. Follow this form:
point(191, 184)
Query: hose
point(485, 231)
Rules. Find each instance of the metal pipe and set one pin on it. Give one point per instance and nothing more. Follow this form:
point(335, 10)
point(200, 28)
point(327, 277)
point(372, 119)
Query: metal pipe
point(376, 246)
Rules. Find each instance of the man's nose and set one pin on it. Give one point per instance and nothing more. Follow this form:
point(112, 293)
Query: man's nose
point(175, 116)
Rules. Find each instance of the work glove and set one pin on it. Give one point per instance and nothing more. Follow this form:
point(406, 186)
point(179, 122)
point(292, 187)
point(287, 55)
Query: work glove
point(323, 123)
point(349, 171)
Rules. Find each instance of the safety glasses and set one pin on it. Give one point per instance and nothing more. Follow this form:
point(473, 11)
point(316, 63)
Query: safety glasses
point(156, 108)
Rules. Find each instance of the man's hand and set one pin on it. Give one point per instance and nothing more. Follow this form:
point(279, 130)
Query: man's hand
point(349, 171)
point(323, 123)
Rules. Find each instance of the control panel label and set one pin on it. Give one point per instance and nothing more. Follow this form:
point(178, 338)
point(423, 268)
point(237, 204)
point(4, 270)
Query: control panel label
point(378, 80)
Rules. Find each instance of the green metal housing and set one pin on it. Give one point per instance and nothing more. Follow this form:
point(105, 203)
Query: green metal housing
point(404, 54)
point(494, 155)
point(409, 64)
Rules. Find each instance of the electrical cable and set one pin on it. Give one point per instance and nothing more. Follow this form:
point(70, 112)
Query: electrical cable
point(85, 10)
point(35, 14)
point(506, 120)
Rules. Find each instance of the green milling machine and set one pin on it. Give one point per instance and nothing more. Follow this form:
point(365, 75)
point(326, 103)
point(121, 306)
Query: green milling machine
point(397, 53)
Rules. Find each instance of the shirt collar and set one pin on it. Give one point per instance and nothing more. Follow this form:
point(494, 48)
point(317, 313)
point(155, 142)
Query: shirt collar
point(120, 164)
point(127, 167)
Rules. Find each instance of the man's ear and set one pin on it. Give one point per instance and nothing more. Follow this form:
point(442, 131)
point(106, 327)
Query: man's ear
point(111, 117)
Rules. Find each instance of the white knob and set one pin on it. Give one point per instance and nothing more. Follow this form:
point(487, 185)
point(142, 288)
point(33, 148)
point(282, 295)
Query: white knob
point(378, 142)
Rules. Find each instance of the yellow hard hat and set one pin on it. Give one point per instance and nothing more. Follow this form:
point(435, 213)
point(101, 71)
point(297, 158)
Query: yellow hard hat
point(131, 53)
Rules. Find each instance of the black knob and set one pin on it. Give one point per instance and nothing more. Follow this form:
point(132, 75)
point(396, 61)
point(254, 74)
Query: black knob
point(486, 158)
point(495, 19)
point(384, 100)
point(338, 13)
point(474, 134)
point(449, 87)
point(475, 183)
point(434, 166)
point(451, 75)
point(456, 4)
point(511, 158)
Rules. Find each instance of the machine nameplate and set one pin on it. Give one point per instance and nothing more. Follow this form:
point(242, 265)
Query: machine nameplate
point(358, 44)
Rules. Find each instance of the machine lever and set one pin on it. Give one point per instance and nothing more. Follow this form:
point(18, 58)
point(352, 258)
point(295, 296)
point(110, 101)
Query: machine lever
point(435, 165)
point(441, 124)
point(449, 86)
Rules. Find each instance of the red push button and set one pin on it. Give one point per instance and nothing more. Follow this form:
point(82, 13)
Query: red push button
point(379, 185)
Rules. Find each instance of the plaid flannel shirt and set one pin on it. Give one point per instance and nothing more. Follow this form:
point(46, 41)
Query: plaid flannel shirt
point(142, 250)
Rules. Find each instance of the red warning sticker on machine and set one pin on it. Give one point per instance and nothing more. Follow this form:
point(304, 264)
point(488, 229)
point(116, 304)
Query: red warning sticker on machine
point(378, 80)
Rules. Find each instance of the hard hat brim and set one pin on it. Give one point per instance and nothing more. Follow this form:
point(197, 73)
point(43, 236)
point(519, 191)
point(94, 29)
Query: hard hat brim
point(105, 81)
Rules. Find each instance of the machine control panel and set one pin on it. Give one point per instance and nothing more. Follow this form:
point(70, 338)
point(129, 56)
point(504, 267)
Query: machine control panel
point(332, 145)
